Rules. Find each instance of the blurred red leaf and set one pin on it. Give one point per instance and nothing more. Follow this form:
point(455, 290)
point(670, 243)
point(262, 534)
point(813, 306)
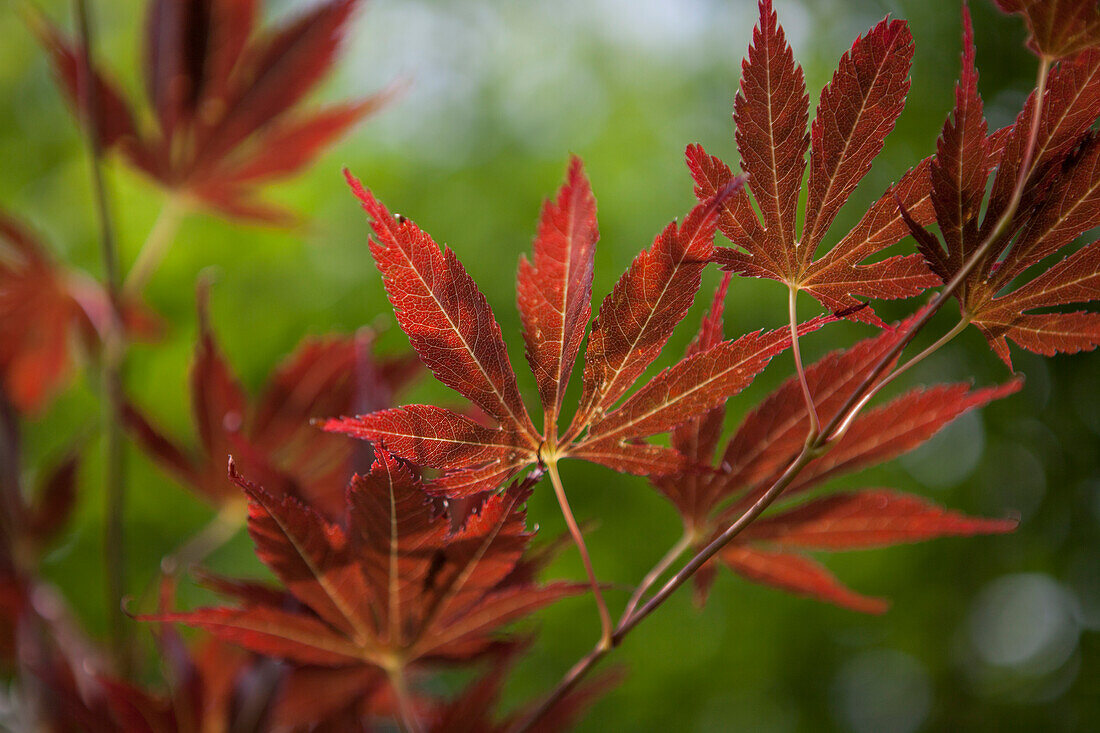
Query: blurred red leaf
point(225, 96)
point(43, 306)
point(271, 436)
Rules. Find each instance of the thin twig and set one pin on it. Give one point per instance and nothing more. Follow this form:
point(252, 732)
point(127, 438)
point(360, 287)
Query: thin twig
point(811, 409)
point(113, 353)
point(809, 451)
point(812, 448)
point(878, 387)
point(656, 572)
point(580, 669)
point(216, 533)
point(156, 246)
point(578, 540)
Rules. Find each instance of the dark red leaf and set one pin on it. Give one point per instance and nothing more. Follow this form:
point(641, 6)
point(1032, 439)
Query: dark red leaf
point(272, 437)
point(1059, 201)
point(796, 574)
point(1059, 28)
point(857, 111)
point(870, 518)
point(554, 292)
point(393, 579)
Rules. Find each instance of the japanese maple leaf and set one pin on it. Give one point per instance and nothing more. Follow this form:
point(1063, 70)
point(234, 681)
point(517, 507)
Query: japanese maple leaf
point(42, 306)
point(456, 335)
point(771, 550)
point(224, 98)
point(857, 111)
point(1059, 28)
point(343, 698)
point(271, 436)
point(1060, 202)
point(391, 586)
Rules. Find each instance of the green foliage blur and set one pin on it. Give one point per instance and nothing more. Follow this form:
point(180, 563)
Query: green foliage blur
point(984, 634)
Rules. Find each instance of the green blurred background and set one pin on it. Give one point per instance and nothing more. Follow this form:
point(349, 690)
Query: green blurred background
point(984, 634)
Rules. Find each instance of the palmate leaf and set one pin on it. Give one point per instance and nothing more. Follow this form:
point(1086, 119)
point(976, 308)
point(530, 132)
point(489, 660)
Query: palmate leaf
point(270, 435)
point(858, 109)
point(1060, 201)
point(770, 551)
point(455, 333)
point(225, 97)
point(392, 581)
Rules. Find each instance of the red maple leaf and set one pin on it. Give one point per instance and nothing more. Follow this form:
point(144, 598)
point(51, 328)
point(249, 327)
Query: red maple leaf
point(456, 335)
point(770, 550)
point(1059, 203)
point(271, 436)
point(1059, 28)
point(224, 96)
point(42, 304)
point(858, 109)
point(392, 586)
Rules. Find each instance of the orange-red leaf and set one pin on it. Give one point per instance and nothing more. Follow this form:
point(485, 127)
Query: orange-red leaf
point(857, 111)
point(898, 427)
point(770, 114)
point(871, 518)
point(696, 385)
point(649, 300)
point(453, 330)
point(554, 292)
point(447, 319)
point(797, 574)
point(769, 439)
